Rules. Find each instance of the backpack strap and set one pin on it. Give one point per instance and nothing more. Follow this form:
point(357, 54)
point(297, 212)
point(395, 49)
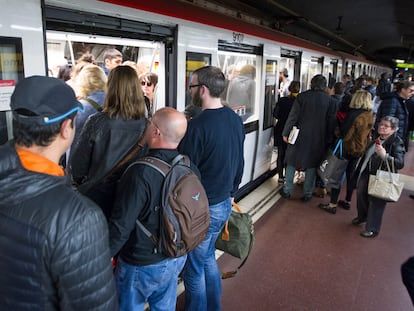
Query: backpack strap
point(163, 168)
point(94, 104)
point(157, 164)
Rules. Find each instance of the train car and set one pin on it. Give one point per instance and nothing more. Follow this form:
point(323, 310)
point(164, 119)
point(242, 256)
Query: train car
point(171, 39)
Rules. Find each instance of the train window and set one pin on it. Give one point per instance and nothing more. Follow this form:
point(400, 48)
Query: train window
point(270, 92)
point(193, 61)
point(66, 50)
point(240, 93)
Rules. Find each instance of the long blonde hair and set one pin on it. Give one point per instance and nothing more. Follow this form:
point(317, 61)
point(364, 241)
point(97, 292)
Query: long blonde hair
point(124, 98)
point(361, 100)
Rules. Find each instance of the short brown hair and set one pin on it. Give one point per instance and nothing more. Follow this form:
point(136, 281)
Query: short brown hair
point(124, 98)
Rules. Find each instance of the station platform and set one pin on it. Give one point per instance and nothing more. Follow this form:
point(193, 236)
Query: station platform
point(307, 259)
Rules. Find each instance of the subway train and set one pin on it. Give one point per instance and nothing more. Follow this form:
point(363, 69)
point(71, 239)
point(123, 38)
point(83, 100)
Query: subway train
point(171, 39)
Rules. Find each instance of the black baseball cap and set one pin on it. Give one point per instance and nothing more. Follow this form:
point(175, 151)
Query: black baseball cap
point(43, 101)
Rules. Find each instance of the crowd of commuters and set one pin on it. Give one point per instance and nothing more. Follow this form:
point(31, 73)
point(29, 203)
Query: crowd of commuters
point(67, 232)
point(64, 234)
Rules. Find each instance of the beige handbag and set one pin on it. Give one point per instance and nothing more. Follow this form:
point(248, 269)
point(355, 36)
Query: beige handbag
point(385, 185)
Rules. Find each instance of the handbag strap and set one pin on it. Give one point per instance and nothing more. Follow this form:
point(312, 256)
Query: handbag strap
point(338, 146)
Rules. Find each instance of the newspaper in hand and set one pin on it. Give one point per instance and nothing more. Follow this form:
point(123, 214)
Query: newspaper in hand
point(293, 135)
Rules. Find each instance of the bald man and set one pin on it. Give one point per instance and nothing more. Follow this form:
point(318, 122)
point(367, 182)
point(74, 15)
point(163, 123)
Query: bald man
point(144, 275)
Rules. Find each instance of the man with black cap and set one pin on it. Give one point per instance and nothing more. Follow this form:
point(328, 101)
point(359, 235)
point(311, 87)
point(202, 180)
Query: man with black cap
point(54, 242)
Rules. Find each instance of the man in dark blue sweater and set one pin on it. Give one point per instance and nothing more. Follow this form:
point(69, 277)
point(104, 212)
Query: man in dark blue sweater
point(214, 143)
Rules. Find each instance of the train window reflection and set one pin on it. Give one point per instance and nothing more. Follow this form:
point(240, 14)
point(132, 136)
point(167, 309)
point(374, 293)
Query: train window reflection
point(240, 92)
point(68, 50)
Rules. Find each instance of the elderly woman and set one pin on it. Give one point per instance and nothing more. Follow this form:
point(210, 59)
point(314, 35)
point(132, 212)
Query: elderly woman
point(387, 147)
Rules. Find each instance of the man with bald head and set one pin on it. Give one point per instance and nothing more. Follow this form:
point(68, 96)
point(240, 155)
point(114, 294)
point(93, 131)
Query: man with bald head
point(144, 275)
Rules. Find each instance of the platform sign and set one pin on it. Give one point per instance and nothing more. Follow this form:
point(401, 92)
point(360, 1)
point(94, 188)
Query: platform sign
point(11, 68)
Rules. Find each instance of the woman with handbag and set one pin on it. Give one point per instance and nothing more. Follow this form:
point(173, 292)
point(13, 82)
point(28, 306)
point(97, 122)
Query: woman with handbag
point(385, 151)
point(354, 130)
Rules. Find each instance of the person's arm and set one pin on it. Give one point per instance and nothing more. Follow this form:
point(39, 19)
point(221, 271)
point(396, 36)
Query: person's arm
point(292, 118)
point(191, 145)
point(132, 195)
point(81, 156)
point(81, 265)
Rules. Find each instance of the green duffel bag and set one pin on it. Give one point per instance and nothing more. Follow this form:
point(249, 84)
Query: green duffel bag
point(237, 237)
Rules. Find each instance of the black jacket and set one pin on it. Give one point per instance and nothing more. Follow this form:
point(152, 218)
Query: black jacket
point(394, 106)
point(138, 195)
point(102, 144)
point(314, 114)
point(395, 150)
point(54, 244)
point(281, 113)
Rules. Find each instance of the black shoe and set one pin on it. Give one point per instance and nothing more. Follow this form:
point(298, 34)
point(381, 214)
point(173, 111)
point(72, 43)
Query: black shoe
point(284, 194)
point(327, 208)
point(356, 221)
point(344, 204)
point(306, 198)
point(411, 196)
point(368, 234)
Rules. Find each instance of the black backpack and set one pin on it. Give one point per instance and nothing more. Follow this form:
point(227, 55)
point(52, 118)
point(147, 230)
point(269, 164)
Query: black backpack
point(184, 214)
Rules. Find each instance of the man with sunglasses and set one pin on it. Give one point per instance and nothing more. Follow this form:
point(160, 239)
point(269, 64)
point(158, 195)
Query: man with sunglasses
point(54, 242)
point(214, 143)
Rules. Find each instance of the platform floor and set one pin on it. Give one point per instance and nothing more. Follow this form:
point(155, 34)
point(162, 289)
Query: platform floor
point(307, 259)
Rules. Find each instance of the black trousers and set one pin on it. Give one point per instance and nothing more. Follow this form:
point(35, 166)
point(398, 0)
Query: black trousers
point(281, 152)
point(407, 273)
point(369, 208)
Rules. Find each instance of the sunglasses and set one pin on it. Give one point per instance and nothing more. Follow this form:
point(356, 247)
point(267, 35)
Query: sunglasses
point(143, 83)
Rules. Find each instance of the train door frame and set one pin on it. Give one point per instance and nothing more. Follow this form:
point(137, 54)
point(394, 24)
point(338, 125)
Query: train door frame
point(87, 22)
point(292, 54)
point(249, 49)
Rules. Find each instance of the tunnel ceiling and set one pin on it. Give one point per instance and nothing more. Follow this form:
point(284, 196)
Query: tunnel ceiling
point(381, 30)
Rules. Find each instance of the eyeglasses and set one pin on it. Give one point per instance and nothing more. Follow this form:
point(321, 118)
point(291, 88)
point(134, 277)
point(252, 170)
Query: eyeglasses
point(194, 85)
point(143, 83)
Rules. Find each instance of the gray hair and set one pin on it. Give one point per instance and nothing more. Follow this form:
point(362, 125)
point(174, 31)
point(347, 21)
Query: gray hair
point(393, 121)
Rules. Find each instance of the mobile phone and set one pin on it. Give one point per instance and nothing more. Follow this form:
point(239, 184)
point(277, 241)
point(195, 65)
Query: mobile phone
point(377, 141)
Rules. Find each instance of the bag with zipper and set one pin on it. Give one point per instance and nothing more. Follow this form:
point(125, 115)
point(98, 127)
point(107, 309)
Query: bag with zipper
point(184, 210)
point(236, 238)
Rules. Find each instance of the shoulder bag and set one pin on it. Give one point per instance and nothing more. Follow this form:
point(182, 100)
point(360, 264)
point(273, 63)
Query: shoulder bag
point(236, 238)
point(385, 185)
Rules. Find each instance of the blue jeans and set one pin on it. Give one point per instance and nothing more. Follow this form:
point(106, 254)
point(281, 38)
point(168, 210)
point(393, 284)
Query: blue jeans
point(202, 278)
point(155, 284)
point(308, 186)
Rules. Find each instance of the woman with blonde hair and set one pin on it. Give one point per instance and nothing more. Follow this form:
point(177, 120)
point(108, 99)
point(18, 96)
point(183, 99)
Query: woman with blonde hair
point(91, 89)
point(110, 139)
point(354, 131)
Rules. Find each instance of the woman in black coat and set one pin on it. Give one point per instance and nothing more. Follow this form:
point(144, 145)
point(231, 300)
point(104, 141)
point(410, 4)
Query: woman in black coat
point(281, 113)
point(387, 147)
point(109, 138)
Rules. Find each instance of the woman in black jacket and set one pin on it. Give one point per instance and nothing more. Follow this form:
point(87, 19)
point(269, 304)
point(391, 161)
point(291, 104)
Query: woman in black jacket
point(109, 137)
point(387, 147)
point(281, 113)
